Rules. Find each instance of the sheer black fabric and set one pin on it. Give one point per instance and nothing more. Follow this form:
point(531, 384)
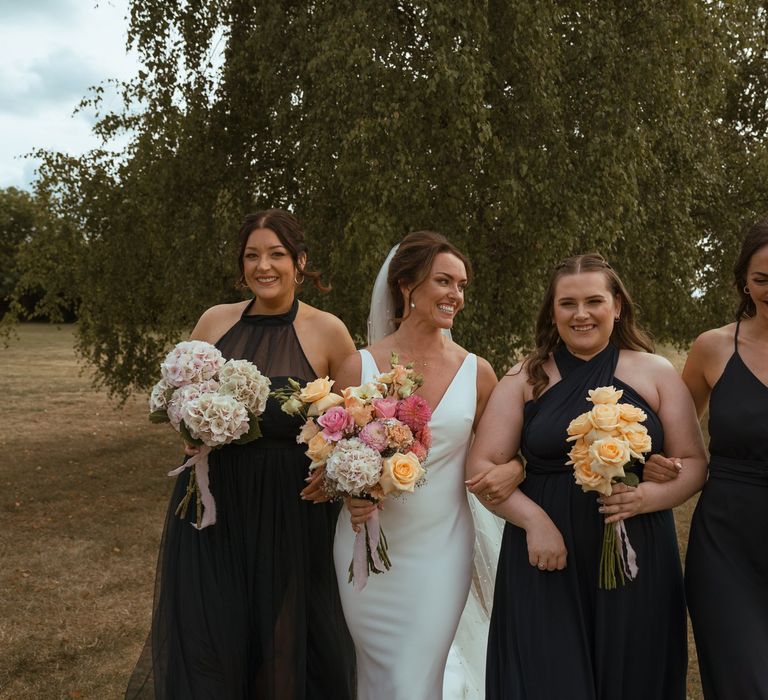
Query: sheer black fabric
point(249, 608)
point(555, 634)
point(726, 574)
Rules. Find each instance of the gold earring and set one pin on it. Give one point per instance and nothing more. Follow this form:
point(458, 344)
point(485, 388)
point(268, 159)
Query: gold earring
point(297, 280)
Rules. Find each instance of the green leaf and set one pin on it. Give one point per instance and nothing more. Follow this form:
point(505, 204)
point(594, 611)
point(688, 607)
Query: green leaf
point(159, 417)
point(254, 430)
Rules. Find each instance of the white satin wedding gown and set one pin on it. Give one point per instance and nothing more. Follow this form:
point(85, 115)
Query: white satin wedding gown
point(404, 621)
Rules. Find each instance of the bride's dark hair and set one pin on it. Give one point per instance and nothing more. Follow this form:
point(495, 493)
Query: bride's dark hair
point(626, 333)
point(412, 263)
point(288, 229)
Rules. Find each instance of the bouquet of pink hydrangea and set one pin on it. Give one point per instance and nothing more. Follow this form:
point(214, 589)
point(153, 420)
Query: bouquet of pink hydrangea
point(371, 441)
point(211, 403)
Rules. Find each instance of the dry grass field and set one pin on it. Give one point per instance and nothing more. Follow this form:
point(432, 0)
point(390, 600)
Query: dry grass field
point(83, 492)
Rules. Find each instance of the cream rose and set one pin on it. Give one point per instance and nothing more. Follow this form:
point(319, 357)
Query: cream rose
point(631, 414)
point(316, 390)
point(605, 395)
point(318, 449)
point(580, 426)
point(609, 457)
point(400, 472)
point(322, 405)
point(605, 417)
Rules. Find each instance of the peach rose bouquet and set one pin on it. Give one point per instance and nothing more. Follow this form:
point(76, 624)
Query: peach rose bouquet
point(211, 403)
point(606, 440)
point(371, 441)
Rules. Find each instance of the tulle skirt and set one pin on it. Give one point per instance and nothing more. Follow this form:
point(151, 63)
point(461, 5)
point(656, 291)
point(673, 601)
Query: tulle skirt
point(248, 607)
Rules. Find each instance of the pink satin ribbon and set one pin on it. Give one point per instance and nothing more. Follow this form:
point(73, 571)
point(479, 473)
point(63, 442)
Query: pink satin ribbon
point(366, 539)
point(626, 551)
point(200, 463)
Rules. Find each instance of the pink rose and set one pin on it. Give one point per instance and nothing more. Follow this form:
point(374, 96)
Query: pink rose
point(385, 408)
point(335, 422)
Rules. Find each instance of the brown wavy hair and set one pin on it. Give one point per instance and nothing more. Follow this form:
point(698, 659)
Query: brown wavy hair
point(288, 229)
point(626, 333)
point(756, 238)
point(412, 263)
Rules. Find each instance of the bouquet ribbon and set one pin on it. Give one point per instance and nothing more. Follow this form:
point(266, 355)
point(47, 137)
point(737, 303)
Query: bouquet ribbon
point(200, 463)
point(366, 544)
point(627, 553)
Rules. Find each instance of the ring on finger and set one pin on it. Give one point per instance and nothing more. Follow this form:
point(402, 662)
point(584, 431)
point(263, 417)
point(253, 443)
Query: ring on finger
point(542, 566)
point(488, 496)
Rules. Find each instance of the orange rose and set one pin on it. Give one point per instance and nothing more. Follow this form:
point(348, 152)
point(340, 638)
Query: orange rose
point(637, 437)
point(609, 457)
point(589, 480)
point(318, 449)
point(631, 414)
point(400, 472)
point(322, 405)
point(605, 417)
point(316, 390)
point(580, 426)
point(605, 395)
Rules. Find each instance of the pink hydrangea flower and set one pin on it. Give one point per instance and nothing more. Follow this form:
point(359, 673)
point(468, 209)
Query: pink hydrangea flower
point(374, 435)
point(335, 422)
point(414, 412)
point(385, 408)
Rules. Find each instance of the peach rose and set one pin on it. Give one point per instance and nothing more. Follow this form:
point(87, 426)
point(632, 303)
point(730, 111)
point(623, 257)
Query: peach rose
point(322, 405)
point(318, 449)
point(589, 480)
point(605, 395)
point(316, 390)
point(579, 452)
point(308, 431)
point(400, 472)
point(631, 414)
point(609, 457)
point(361, 413)
point(637, 437)
point(580, 426)
point(605, 417)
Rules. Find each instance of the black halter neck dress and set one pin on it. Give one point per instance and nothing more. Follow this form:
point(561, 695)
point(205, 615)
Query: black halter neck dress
point(726, 574)
point(248, 608)
point(555, 634)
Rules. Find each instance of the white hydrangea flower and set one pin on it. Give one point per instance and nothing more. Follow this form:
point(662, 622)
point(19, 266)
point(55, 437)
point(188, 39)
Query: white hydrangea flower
point(158, 399)
point(243, 381)
point(190, 362)
point(184, 395)
point(215, 419)
point(353, 467)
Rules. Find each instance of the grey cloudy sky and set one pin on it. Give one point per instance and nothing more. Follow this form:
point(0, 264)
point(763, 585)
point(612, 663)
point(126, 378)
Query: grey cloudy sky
point(51, 52)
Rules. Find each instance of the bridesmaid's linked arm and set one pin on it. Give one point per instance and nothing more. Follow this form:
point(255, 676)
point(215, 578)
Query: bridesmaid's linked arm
point(682, 438)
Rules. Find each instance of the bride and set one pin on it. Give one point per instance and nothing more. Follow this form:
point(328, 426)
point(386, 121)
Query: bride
point(404, 621)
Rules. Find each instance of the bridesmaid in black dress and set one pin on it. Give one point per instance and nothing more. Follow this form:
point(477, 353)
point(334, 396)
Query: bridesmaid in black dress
point(726, 574)
point(554, 634)
point(248, 608)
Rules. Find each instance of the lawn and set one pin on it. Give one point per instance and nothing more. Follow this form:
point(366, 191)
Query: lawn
point(83, 497)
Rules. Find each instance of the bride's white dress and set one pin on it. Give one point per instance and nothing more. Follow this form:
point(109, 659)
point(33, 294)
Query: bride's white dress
point(404, 621)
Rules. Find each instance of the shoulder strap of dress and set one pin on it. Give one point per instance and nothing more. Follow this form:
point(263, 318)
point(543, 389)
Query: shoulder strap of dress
point(368, 368)
point(736, 337)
